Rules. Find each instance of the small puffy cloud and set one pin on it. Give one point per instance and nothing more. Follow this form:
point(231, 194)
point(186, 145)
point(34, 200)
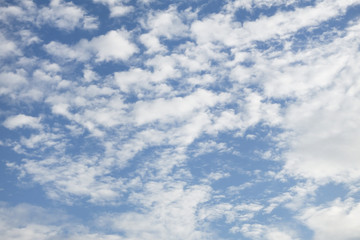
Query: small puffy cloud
point(11, 82)
point(113, 46)
point(22, 120)
point(134, 78)
point(176, 108)
point(28, 37)
point(8, 47)
point(10, 11)
point(168, 24)
point(264, 232)
point(89, 75)
point(24, 11)
point(216, 28)
point(66, 15)
point(116, 7)
point(78, 52)
point(61, 109)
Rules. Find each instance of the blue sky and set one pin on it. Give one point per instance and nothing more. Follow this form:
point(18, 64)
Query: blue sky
point(143, 119)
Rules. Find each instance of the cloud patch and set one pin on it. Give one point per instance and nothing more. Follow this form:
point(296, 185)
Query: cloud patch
point(113, 46)
point(21, 120)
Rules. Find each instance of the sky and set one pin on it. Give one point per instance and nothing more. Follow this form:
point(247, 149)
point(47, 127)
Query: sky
point(173, 120)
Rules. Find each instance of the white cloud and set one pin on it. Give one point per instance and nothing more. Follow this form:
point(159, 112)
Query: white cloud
point(78, 52)
point(142, 120)
point(42, 140)
point(65, 179)
point(145, 83)
point(89, 75)
point(295, 198)
point(8, 48)
point(323, 122)
point(10, 11)
point(284, 23)
point(249, 4)
point(28, 37)
point(214, 176)
point(112, 46)
point(233, 214)
point(60, 14)
point(166, 24)
point(167, 161)
point(28, 222)
point(170, 212)
point(164, 68)
point(116, 7)
point(210, 146)
point(95, 236)
point(317, 109)
point(134, 78)
point(336, 220)
point(32, 81)
point(176, 109)
point(25, 11)
point(327, 150)
point(11, 82)
point(216, 28)
point(22, 120)
point(222, 29)
point(235, 190)
point(191, 130)
point(120, 10)
point(66, 15)
point(258, 231)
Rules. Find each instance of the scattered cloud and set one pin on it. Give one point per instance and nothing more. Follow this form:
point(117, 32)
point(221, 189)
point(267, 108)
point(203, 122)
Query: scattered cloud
point(64, 15)
point(117, 8)
point(22, 120)
point(25, 221)
point(258, 231)
point(149, 120)
point(112, 46)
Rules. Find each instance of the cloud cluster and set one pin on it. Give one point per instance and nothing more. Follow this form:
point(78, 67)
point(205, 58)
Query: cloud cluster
point(60, 14)
point(183, 122)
